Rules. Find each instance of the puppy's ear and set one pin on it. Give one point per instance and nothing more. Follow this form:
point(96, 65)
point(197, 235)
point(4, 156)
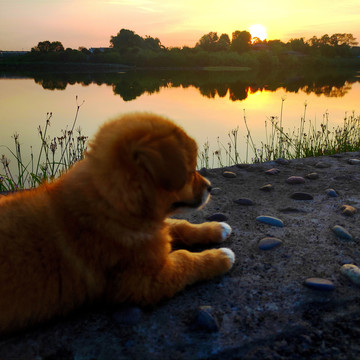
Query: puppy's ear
point(165, 163)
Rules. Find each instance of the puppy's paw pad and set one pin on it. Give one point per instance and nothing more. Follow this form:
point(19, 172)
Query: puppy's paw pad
point(225, 231)
point(230, 254)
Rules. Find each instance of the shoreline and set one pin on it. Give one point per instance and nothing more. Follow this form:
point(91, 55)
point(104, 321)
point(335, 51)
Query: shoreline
point(104, 67)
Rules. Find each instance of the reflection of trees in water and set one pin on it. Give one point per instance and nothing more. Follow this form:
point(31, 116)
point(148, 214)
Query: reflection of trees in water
point(128, 90)
point(238, 92)
point(132, 84)
point(51, 84)
point(328, 90)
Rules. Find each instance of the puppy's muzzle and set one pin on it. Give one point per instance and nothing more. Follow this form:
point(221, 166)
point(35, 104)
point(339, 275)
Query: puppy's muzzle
point(198, 202)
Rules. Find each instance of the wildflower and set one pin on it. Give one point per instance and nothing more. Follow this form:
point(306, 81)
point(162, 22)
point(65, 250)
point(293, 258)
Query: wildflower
point(53, 147)
point(5, 161)
point(60, 140)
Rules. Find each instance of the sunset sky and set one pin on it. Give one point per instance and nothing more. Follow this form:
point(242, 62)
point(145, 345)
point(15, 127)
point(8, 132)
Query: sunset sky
point(91, 23)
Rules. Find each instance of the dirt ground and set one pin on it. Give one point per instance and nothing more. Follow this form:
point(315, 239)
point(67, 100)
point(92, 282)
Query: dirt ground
point(261, 309)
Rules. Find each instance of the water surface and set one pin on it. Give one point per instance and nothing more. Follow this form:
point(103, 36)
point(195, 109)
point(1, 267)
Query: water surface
point(206, 104)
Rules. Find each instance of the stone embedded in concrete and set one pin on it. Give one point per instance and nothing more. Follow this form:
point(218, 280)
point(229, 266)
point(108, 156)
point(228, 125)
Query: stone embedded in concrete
point(270, 220)
point(269, 243)
point(352, 272)
point(319, 284)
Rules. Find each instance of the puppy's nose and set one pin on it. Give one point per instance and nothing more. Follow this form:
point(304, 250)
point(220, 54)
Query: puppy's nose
point(209, 188)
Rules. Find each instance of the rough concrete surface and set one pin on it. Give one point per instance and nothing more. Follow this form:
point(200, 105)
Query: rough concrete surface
point(261, 309)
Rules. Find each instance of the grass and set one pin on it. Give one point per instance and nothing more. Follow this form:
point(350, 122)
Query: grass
point(58, 154)
point(308, 140)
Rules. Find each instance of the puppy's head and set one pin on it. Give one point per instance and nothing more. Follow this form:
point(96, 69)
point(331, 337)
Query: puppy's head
point(146, 165)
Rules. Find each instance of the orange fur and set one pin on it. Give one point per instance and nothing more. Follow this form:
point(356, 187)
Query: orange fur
point(100, 232)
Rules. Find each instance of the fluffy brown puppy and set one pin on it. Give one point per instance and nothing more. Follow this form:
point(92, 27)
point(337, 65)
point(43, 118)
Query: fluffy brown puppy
point(100, 232)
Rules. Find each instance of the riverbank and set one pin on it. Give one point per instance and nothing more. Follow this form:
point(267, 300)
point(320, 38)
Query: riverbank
point(262, 309)
point(107, 67)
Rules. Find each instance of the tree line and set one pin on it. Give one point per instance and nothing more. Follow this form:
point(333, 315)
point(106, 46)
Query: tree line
point(241, 50)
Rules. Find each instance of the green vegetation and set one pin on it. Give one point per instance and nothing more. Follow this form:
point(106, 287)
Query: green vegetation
point(55, 157)
point(129, 49)
point(306, 141)
point(301, 143)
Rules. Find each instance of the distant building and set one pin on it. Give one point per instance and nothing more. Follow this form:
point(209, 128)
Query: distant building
point(99, 49)
point(12, 53)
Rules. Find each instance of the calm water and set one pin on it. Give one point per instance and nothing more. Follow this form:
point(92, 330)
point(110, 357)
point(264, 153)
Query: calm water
point(207, 105)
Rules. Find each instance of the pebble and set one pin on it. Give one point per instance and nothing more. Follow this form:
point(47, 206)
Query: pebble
point(312, 176)
point(301, 196)
point(319, 284)
point(295, 180)
point(269, 243)
point(128, 316)
point(270, 220)
point(331, 193)
point(205, 320)
point(282, 161)
point(352, 272)
point(322, 165)
point(291, 210)
point(348, 210)
point(273, 171)
point(215, 191)
point(354, 161)
point(267, 187)
point(244, 201)
point(342, 233)
point(229, 174)
point(217, 217)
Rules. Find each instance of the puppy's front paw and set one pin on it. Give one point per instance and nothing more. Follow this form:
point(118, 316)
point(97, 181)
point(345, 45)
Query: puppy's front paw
point(225, 231)
point(230, 255)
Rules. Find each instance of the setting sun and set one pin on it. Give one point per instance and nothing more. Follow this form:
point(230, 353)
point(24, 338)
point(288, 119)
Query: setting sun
point(258, 31)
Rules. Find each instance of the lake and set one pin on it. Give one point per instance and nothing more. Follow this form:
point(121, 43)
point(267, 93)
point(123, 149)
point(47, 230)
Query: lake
point(206, 104)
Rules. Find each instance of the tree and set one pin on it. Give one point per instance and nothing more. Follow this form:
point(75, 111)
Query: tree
point(208, 42)
point(276, 46)
point(224, 42)
point(56, 46)
point(298, 45)
point(343, 39)
point(256, 40)
point(153, 44)
point(47, 46)
point(84, 50)
point(126, 39)
point(334, 45)
point(241, 41)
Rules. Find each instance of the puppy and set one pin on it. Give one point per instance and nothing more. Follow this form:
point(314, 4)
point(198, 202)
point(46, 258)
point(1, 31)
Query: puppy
point(101, 231)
